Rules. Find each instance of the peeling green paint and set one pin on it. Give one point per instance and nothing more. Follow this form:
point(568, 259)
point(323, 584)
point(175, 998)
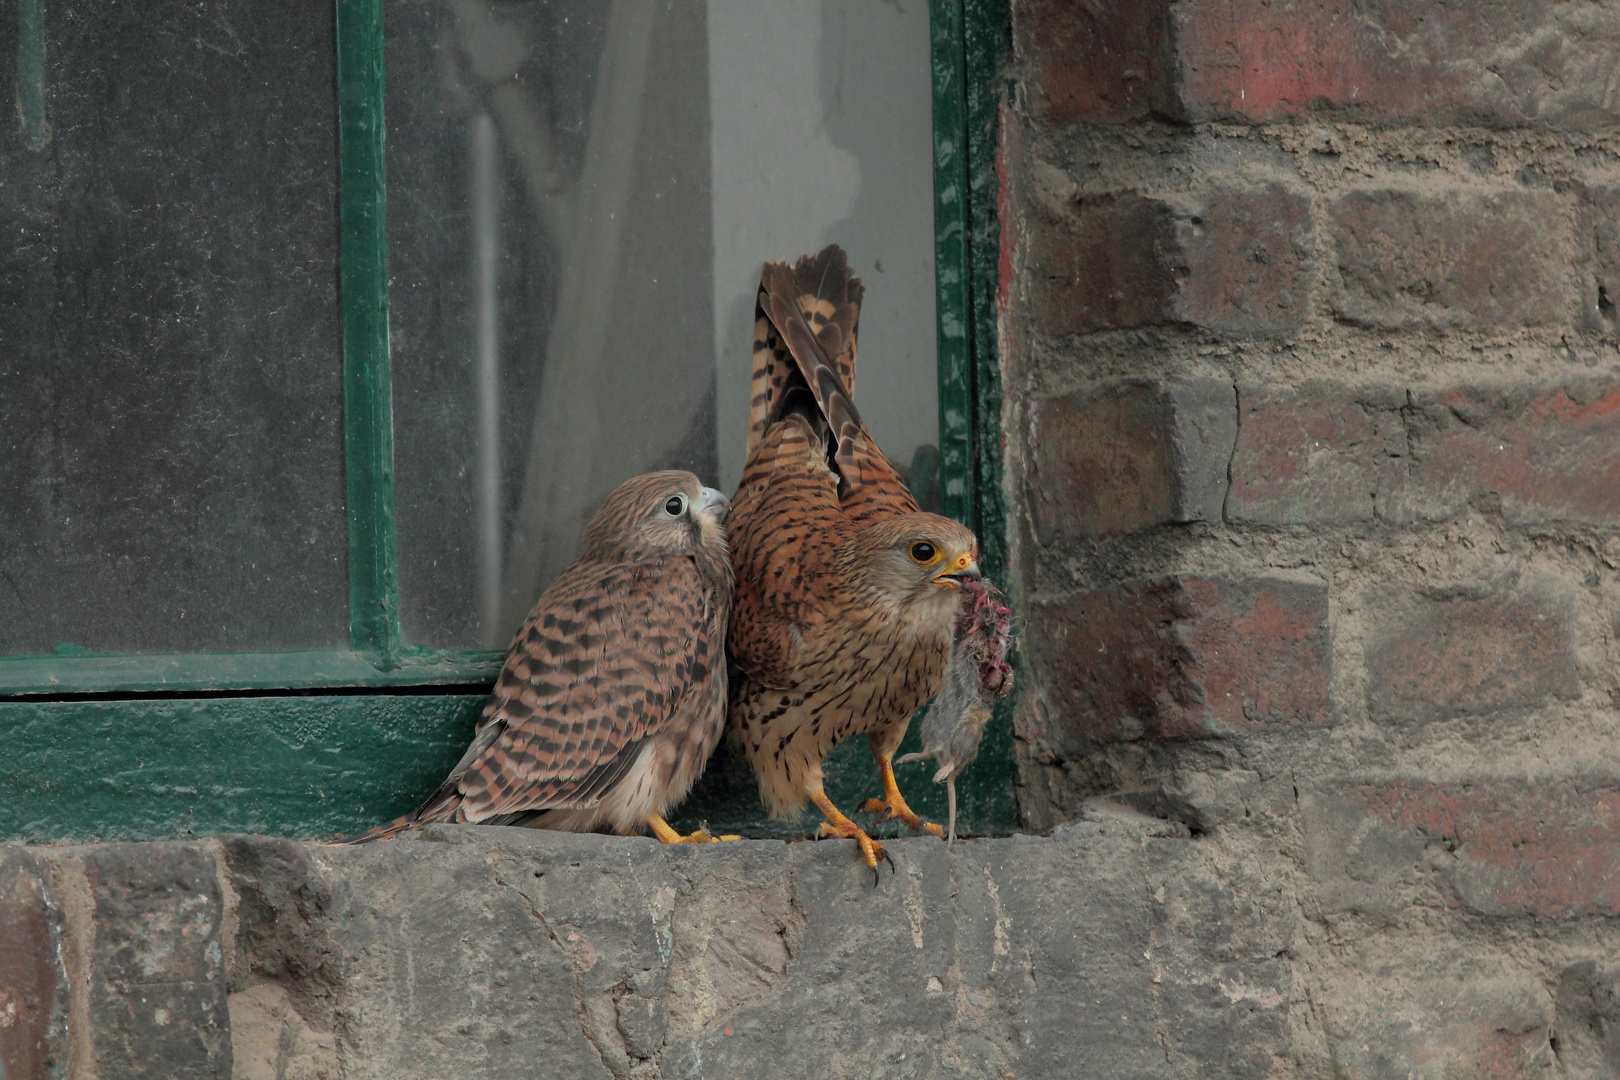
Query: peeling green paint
point(292, 766)
point(81, 672)
point(30, 80)
point(368, 426)
point(969, 46)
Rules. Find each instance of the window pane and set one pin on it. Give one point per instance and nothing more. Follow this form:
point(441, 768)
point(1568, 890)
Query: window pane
point(170, 378)
point(580, 196)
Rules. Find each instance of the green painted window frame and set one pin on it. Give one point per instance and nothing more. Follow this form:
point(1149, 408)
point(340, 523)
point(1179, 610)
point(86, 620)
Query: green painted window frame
point(121, 692)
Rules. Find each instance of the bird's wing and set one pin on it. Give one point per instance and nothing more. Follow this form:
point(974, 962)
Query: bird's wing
point(828, 297)
point(786, 528)
point(868, 486)
point(600, 665)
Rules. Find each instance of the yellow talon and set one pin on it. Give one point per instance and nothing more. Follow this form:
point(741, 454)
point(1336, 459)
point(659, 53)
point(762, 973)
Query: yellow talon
point(667, 835)
point(839, 825)
point(893, 804)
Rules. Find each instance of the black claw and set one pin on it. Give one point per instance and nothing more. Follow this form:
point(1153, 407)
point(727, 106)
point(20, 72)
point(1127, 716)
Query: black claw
point(876, 877)
point(889, 861)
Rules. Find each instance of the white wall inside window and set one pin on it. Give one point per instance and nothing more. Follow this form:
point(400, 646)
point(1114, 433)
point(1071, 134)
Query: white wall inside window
point(821, 132)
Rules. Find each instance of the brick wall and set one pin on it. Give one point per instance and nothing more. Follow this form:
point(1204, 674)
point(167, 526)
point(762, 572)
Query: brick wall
point(1314, 445)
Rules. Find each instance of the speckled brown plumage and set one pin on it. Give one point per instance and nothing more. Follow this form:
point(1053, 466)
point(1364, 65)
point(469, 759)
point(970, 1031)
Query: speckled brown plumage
point(613, 693)
point(846, 593)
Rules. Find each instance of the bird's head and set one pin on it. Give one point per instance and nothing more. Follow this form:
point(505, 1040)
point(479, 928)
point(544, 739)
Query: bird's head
point(658, 513)
point(914, 565)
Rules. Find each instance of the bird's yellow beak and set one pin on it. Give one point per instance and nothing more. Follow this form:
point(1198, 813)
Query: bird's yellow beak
point(965, 568)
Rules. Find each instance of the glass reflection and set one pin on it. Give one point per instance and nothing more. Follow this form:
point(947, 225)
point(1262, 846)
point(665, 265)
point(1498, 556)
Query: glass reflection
point(580, 195)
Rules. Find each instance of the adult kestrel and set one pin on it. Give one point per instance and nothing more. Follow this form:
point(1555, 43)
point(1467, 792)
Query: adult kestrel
point(846, 593)
point(612, 696)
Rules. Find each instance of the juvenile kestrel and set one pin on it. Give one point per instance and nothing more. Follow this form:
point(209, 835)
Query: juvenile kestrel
point(977, 675)
point(613, 693)
point(846, 593)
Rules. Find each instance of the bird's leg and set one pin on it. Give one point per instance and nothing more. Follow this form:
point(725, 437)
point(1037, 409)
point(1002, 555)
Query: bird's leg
point(667, 835)
point(893, 804)
point(950, 800)
point(839, 825)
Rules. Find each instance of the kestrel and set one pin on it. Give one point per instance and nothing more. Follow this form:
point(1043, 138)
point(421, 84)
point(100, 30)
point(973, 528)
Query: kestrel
point(846, 594)
point(612, 696)
point(977, 675)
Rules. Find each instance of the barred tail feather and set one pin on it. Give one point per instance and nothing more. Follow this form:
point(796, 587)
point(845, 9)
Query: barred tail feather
point(868, 484)
point(827, 298)
point(381, 832)
point(442, 806)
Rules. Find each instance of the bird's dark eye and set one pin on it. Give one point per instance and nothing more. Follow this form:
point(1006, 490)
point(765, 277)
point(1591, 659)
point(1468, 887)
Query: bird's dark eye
point(675, 505)
point(924, 553)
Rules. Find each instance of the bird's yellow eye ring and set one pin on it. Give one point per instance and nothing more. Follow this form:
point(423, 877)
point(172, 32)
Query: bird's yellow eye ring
point(924, 554)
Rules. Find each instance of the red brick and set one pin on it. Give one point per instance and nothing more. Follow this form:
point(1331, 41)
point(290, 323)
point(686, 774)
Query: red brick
point(1441, 659)
point(1503, 846)
point(1128, 456)
point(1104, 268)
point(1231, 260)
point(1321, 455)
point(1317, 455)
point(1182, 656)
point(1494, 61)
point(1473, 258)
point(1535, 453)
point(1097, 61)
point(1245, 253)
point(33, 981)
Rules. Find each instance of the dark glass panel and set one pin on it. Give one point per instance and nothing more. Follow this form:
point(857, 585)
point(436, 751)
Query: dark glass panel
point(171, 456)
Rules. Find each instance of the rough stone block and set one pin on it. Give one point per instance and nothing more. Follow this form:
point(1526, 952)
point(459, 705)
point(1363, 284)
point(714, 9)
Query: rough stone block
point(1231, 260)
point(459, 962)
point(1422, 1020)
point(1099, 62)
point(1443, 658)
point(1177, 656)
point(1128, 456)
point(271, 1040)
point(1501, 847)
point(1219, 925)
point(33, 978)
point(157, 1000)
point(1316, 455)
point(1203, 799)
point(1601, 221)
point(1497, 62)
point(489, 952)
point(1473, 258)
point(1589, 1019)
point(1536, 454)
point(283, 906)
